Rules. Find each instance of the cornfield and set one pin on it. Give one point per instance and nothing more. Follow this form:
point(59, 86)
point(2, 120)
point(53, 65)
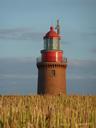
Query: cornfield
point(48, 111)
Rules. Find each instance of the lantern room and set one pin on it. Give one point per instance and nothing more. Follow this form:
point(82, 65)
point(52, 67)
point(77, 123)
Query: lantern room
point(51, 40)
point(51, 51)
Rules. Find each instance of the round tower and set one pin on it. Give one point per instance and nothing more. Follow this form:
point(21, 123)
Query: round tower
point(51, 66)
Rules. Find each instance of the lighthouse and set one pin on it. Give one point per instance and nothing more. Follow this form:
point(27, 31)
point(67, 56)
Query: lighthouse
point(52, 65)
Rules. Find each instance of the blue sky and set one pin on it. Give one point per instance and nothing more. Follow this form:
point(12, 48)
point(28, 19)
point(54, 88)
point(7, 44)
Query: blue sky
point(23, 24)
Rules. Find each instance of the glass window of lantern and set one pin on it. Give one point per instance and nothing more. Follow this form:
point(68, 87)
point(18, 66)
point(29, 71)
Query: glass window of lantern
point(56, 44)
point(49, 44)
point(46, 44)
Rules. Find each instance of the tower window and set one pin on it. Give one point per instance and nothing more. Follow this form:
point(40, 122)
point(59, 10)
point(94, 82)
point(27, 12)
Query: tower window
point(53, 73)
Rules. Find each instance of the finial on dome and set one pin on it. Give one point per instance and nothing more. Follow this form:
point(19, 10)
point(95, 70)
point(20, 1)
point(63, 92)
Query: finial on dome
point(51, 28)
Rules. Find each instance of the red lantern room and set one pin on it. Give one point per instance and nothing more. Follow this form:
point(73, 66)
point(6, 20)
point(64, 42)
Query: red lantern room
point(52, 52)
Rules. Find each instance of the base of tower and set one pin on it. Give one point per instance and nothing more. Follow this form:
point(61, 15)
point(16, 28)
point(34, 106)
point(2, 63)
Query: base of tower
point(51, 77)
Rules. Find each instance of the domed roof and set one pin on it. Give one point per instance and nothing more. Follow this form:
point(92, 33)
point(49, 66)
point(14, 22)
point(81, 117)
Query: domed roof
point(51, 33)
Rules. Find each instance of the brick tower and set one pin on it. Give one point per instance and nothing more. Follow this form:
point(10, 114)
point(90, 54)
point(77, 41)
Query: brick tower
point(52, 66)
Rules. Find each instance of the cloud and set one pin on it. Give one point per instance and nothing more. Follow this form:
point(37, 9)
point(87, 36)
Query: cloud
point(65, 42)
point(81, 77)
point(16, 60)
point(18, 68)
point(93, 50)
point(81, 69)
point(85, 63)
point(89, 33)
point(20, 34)
point(17, 76)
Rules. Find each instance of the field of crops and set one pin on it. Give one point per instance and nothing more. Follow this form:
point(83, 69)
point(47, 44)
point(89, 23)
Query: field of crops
point(48, 111)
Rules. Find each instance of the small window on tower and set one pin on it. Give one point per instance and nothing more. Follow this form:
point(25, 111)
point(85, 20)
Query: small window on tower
point(53, 72)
